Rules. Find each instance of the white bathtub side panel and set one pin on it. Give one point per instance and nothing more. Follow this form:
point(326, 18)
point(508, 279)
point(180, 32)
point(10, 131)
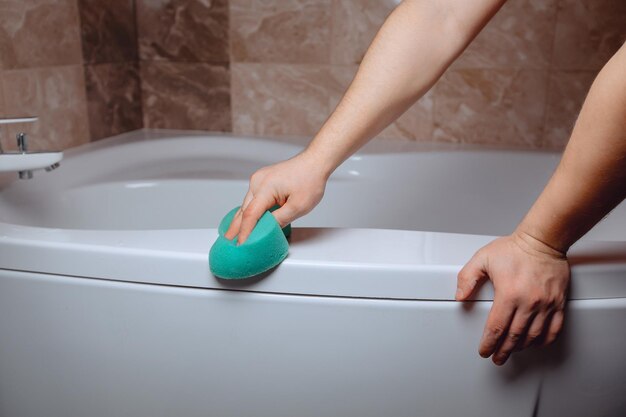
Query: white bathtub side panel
point(586, 373)
point(80, 347)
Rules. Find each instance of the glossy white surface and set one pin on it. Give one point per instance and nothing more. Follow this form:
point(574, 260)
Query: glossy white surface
point(107, 306)
point(111, 210)
point(28, 161)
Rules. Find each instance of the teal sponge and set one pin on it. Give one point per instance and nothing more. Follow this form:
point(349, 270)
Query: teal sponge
point(265, 248)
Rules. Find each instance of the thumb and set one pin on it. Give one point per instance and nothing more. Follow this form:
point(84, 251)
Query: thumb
point(470, 278)
point(285, 214)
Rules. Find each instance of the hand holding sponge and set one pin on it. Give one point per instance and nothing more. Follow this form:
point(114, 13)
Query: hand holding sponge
point(265, 248)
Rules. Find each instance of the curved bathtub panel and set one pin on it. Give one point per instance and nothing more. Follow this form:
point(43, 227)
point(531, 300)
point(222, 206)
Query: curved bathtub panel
point(107, 305)
point(97, 348)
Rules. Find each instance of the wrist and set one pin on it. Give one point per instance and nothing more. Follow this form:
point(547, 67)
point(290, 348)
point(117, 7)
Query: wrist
point(318, 161)
point(532, 242)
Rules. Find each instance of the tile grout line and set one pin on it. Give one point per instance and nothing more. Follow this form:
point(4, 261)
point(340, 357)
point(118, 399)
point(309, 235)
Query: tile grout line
point(548, 83)
point(137, 63)
point(230, 68)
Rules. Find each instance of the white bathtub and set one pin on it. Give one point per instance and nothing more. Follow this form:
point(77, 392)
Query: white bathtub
point(108, 308)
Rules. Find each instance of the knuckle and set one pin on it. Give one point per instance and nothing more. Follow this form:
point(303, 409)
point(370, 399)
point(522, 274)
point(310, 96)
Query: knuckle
point(551, 337)
point(247, 215)
point(496, 330)
point(533, 334)
point(514, 336)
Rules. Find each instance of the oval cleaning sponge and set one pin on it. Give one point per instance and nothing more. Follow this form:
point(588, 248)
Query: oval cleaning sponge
point(264, 249)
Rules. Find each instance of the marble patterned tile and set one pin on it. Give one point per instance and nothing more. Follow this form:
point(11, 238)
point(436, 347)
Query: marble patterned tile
point(3, 113)
point(57, 96)
point(183, 30)
point(280, 31)
point(415, 124)
point(283, 99)
point(354, 25)
point(186, 96)
point(496, 107)
point(588, 32)
point(295, 100)
point(108, 30)
point(113, 99)
point(39, 33)
point(519, 36)
point(566, 94)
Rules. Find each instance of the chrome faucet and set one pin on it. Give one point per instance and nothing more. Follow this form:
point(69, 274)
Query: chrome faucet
point(16, 120)
point(25, 162)
point(22, 147)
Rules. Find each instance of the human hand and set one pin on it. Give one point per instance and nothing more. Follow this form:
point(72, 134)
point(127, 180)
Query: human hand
point(297, 185)
point(530, 281)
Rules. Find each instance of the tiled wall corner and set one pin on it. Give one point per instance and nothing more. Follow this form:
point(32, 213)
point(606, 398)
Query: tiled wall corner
point(185, 72)
point(109, 45)
point(41, 72)
point(113, 98)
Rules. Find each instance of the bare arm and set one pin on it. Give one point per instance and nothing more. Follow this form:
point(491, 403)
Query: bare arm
point(415, 45)
point(591, 178)
point(529, 269)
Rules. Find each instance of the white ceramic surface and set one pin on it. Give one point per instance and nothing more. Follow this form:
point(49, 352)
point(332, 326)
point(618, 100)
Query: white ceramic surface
point(14, 162)
point(109, 308)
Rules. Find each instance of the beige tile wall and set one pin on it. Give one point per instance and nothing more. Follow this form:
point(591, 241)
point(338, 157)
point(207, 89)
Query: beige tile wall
point(520, 84)
point(279, 67)
point(41, 72)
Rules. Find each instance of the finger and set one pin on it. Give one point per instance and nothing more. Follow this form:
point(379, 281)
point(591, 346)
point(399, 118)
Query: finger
point(496, 327)
point(513, 337)
point(246, 201)
point(554, 328)
point(535, 330)
point(235, 224)
point(470, 278)
point(251, 215)
point(286, 214)
point(233, 229)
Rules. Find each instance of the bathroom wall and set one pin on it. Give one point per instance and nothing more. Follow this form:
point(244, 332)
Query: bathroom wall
point(184, 52)
point(520, 84)
point(94, 68)
point(111, 64)
point(41, 72)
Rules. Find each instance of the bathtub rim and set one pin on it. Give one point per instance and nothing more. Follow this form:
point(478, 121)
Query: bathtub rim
point(56, 251)
point(425, 269)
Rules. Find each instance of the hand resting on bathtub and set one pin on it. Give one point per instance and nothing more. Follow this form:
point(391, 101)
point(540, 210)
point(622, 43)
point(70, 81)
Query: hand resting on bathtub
point(529, 269)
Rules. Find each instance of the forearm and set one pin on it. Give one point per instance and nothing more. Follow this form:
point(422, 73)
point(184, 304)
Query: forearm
point(416, 44)
point(591, 177)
